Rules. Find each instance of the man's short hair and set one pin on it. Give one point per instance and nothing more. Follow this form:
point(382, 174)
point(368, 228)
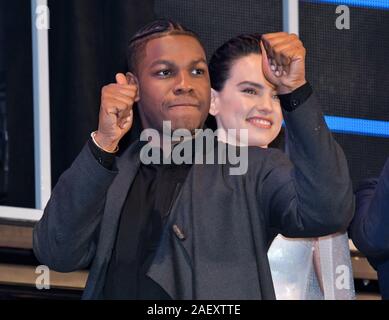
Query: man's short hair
point(156, 29)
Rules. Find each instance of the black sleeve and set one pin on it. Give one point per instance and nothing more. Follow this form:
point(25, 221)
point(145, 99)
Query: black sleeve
point(106, 159)
point(309, 193)
point(293, 100)
point(369, 229)
point(65, 238)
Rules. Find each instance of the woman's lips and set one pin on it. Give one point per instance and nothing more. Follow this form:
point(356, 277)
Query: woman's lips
point(261, 123)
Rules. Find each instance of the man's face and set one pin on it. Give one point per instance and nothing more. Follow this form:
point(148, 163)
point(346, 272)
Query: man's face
point(173, 83)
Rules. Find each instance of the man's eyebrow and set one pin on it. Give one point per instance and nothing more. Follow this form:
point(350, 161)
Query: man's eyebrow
point(250, 83)
point(171, 64)
point(165, 62)
point(201, 60)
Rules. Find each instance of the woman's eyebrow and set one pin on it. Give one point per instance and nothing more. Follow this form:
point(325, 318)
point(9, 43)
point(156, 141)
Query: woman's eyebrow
point(250, 83)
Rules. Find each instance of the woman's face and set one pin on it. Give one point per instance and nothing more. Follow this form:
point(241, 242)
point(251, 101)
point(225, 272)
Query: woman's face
point(248, 101)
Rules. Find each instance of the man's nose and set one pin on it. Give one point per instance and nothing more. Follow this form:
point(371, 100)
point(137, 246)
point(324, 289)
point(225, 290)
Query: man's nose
point(183, 84)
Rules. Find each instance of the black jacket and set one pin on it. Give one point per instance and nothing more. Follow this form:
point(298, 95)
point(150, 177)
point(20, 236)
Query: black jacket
point(228, 221)
point(370, 228)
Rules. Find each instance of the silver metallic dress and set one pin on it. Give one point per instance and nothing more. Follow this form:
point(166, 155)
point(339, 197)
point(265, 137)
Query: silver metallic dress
point(312, 269)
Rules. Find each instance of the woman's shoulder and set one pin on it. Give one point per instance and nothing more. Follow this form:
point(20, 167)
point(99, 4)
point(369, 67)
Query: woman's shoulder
point(267, 156)
point(261, 161)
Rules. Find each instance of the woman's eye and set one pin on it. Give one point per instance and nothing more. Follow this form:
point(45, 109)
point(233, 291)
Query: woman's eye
point(250, 91)
point(198, 72)
point(275, 97)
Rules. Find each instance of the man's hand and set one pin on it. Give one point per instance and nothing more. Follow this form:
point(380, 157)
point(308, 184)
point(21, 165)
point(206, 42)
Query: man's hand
point(116, 115)
point(283, 61)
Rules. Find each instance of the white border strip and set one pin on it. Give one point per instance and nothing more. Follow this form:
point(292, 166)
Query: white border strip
point(40, 58)
point(14, 213)
point(290, 16)
point(40, 53)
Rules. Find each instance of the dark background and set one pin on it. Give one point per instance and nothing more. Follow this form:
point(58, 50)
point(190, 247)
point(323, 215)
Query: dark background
point(88, 38)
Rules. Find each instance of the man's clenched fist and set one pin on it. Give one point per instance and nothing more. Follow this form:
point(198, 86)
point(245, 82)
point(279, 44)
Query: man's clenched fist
point(116, 115)
point(283, 61)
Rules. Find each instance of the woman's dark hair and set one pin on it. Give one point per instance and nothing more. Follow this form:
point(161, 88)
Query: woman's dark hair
point(155, 29)
point(223, 58)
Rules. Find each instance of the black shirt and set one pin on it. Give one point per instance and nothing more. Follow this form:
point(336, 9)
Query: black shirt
point(144, 212)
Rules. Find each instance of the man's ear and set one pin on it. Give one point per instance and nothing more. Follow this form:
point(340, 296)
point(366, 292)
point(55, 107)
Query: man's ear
point(214, 108)
point(132, 79)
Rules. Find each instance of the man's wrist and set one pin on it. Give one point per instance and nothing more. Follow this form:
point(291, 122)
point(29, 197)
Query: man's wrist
point(101, 143)
point(290, 89)
point(106, 159)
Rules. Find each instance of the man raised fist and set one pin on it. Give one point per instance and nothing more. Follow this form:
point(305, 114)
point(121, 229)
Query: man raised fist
point(116, 114)
point(283, 61)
